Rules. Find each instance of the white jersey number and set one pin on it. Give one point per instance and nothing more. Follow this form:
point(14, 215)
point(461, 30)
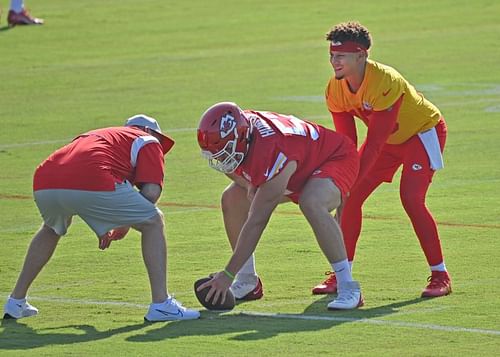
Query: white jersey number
point(291, 125)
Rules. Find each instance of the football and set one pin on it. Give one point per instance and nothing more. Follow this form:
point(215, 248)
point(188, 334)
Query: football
point(228, 304)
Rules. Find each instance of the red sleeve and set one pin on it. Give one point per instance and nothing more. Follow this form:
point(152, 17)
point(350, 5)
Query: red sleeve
point(381, 125)
point(344, 124)
point(150, 165)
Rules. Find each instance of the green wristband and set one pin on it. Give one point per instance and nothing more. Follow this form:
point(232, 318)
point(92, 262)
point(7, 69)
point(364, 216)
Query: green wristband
point(228, 274)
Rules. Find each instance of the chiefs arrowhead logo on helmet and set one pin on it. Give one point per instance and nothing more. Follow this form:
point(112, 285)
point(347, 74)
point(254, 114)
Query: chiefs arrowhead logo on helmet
point(227, 125)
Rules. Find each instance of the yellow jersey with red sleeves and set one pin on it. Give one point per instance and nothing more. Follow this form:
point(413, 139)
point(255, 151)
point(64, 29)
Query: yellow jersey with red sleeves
point(382, 86)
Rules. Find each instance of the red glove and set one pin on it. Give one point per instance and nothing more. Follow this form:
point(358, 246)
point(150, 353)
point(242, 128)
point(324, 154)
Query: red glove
point(114, 234)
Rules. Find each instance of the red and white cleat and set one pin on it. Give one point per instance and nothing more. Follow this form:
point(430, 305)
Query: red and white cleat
point(439, 284)
point(247, 291)
point(22, 18)
point(329, 286)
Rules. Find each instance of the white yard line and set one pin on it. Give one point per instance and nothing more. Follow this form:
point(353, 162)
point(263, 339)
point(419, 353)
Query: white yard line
point(391, 323)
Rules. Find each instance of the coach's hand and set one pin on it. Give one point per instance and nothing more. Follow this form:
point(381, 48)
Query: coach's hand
point(115, 234)
point(118, 233)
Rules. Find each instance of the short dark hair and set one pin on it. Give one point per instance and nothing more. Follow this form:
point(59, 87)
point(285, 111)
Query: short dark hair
point(350, 31)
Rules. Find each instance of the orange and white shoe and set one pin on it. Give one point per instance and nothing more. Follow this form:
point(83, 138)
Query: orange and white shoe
point(439, 284)
point(22, 18)
point(247, 291)
point(329, 286)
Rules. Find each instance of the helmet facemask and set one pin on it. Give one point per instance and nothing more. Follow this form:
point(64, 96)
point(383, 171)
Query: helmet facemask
point(227, 159)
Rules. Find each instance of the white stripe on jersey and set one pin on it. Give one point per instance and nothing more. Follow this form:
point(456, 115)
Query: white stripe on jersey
point(138, 144)
point(278, 165)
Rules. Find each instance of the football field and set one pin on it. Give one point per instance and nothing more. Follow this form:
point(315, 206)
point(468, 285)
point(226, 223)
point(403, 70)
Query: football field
point(95, 63)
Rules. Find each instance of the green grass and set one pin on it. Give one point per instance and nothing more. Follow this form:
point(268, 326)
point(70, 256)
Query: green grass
point(96, 63)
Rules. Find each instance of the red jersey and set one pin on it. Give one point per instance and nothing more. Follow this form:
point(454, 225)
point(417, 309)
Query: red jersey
point(277, 139)
point(96, 160)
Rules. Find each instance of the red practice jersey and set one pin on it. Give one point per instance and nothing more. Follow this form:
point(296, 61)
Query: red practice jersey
point(277, 139)
point(96, 160)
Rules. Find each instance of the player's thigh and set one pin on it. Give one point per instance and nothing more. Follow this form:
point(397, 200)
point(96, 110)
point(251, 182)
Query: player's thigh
point(106, 210)
point(56, 216)
point(320, 193)
point(416, 163)
point(338, 176)
point(234, 198)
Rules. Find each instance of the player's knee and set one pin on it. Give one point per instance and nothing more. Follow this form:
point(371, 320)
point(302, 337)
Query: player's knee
point(154, 222)
point(411, 201)
point(49, 232)
point(311, 205)
point(232, 197)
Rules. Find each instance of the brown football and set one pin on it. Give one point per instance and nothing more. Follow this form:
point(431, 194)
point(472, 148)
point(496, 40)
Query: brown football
point(228, 304)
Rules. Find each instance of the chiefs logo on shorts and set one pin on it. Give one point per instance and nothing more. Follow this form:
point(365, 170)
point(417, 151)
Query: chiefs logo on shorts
point(227, 125)
point(416, 167)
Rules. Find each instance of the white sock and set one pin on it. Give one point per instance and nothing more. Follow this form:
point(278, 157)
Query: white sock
point(17, 301)
point(16, 5)
point(439, 267)
point(158, 304)
point(342, 271)
point(247, 271)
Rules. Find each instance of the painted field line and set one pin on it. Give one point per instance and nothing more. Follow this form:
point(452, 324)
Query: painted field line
point(392, 323)
point(201, 207)
point(67, 140)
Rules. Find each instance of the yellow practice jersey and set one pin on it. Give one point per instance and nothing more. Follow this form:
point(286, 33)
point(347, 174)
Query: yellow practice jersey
point(381, 87)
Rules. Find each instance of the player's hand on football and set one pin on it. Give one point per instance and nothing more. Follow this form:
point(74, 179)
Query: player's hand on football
point(219, 285)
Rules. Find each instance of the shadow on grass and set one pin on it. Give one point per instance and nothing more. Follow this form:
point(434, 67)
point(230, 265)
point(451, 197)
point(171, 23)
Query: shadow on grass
point(18, 336)
point(240, 326)
point(5, 28)
point(247, 327)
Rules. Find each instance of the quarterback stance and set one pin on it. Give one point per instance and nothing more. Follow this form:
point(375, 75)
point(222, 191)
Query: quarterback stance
point(403, 129)
point(93, 178)
point(274, 158)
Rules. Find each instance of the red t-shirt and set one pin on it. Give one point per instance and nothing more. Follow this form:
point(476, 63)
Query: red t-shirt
point(278, 139)
point(96, 160)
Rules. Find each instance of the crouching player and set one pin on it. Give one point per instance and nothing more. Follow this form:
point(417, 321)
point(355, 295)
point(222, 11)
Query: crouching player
point(274, 158)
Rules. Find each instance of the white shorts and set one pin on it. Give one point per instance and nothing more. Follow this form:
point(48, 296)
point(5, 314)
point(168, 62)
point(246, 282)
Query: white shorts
point(101, 210)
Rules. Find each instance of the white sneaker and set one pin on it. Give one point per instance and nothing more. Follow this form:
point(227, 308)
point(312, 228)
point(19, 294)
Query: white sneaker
point(349, 296)
point(241, 288)
point(17, 308)
point(170, 310)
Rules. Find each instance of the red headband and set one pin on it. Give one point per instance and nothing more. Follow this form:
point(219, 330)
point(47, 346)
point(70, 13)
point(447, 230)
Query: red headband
point(347, 46)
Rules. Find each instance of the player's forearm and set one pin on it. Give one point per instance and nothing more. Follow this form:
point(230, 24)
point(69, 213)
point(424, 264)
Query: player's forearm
point(382, 125)
point(247, 242)
point(250, 234)
point(344, 124)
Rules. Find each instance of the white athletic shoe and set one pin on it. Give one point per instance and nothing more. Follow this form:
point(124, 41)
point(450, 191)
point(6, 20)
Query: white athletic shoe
point(170, 310)
point(349, 296)
point(241, 288)
point(17, 308)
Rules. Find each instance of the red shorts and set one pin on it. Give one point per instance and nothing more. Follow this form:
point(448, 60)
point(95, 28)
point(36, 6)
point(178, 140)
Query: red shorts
point(343, 173)
point(411, 154)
